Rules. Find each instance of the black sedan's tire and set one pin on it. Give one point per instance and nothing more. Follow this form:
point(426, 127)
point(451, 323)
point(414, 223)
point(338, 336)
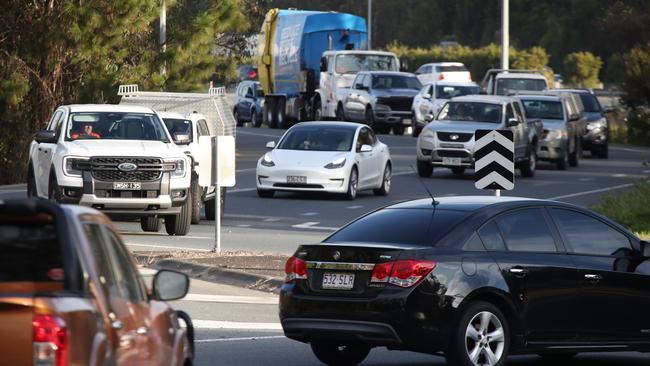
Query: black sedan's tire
point(602, 151)
point(481, 337)
point(179, 225)
point(196, 201)
point(333, 354)
point(425, 169)
point(150, 224)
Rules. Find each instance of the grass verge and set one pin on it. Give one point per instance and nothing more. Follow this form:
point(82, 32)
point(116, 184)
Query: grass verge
point(630, 208)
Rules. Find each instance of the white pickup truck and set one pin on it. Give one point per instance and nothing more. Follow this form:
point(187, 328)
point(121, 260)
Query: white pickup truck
point(119, 159)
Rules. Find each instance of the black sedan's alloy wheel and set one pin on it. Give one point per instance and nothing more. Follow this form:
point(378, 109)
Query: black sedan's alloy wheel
point(333, 354)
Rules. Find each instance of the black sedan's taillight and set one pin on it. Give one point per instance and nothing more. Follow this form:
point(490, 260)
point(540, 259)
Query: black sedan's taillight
point(404, 273)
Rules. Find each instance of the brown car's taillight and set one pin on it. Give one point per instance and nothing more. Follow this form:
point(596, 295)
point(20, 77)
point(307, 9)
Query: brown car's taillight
point(404, 273)
point(50, 341)
point(295, 269)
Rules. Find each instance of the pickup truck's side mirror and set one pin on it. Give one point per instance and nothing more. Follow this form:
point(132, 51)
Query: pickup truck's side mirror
point(608, 110)
point(270, 145)
point(512, 122)
point(323, 64)
point(574, 117)
point(170, 285)
point(429, 117)
point(181, 138)
point(645, 249)
point(45, 136)
point(427, 96)
point(360, 86)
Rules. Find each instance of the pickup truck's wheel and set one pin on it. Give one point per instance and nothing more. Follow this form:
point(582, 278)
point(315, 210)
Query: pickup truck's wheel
point(384, 189)
point(340, 113)
point(563, 162)
point(55, 193)
point(196, 201)
point(210, 210)
point(529, 166)
point(353, 185)
point(179, 225)
point(398, 130)
point(370, 118)
point(415, 130)
point(425, 169)
point(458, 170)
point(333, 354)
point(574, 157)
point(150, 224)
point(31, 182)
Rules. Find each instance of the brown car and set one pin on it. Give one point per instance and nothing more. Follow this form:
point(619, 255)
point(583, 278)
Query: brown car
point(70, 293)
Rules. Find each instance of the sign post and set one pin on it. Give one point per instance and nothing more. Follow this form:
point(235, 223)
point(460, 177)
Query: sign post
point(494, 160)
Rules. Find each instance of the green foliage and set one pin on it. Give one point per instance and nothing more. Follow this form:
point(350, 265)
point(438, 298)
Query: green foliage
point(581, 69)
point(637, 76)
point(630, 208)
point(638, 126)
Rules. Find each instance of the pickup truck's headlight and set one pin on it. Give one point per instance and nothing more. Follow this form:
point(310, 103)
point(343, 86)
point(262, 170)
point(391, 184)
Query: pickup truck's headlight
point(427, 133)
point(71, 166)
point(338, 163)
point(381, 107)
point(267, 161)
point(556, 134)
point(179, 168)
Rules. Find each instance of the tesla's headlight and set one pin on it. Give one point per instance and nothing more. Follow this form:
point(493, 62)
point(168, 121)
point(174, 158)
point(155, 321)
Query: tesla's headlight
point(267, 161)
point(427, 133)
point(338, 163)
point(179, 168)
point(71, 166)
point(556, 134)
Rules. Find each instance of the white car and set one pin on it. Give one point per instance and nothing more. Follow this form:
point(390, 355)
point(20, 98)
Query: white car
point(433, 96)
point(335, 157)
point(443, 71)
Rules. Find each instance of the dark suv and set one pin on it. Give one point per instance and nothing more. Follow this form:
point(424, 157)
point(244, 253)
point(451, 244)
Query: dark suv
point(476, 278)
point(596, 137)
point(248, 103)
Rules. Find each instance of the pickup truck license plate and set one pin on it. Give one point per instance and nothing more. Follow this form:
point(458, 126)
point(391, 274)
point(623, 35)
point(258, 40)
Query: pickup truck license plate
point(127, 186)
point(300, 179)
point(406, 121)
point(450, 161)
point(338, 281)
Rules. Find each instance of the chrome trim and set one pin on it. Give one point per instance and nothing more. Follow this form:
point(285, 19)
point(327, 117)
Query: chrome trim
point(341, 266)
point(517, 270)
point(600, 346)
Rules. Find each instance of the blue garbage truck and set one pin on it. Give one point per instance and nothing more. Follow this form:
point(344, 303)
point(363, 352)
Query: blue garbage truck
point(307, 61)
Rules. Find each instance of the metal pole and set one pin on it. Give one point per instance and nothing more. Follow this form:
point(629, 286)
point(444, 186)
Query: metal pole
point(369, 24)
point(217, 196)
point(497, 193)
point(505, 37)
point(163, 32)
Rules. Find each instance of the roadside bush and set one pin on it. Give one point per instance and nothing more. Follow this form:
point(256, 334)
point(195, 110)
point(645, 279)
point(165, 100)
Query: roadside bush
point(638, 126)
point(630, 208)
point(582, 68)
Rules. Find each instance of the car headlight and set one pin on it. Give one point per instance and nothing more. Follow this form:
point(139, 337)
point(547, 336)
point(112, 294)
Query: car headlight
point(556, 134)
point(179, 168)
point(596, 124)
point(427, 133)
point(71, 166)
point(267, 161)
point(338, 163)
point(381, 107)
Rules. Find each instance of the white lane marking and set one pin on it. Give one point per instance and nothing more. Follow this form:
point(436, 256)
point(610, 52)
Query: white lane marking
point(591, 192)
point(259, 300)
point(354, 207)
point(178, 238)
point(167, 247)
point(619, 175)
point(645, 171)
point(585, 179)
point(243, 225)
point(271, 219)
point(312, 225)
point(211, 340)
point(242, 190)
point(245, 170)
point(258, 134)
point(310, 214)
point(628, 149)
point(406, 172)
point(222, 324)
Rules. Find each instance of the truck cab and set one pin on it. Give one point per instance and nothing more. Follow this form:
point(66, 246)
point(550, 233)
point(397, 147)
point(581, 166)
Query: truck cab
point(508, 81)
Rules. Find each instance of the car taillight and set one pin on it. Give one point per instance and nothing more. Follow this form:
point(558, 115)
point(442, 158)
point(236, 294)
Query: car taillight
point(252, 74)
point(441, 77)
point(295, 269)
point(405, 273)
point(50, 341)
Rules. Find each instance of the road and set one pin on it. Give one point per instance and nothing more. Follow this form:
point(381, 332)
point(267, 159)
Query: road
point(240, 327)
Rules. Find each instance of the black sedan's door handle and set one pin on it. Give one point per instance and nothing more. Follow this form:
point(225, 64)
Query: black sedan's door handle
point(593, 277)
point(518, 272)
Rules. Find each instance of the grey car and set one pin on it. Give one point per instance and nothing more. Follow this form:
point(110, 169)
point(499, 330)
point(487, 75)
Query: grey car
point(381, 99)
point(559, 142)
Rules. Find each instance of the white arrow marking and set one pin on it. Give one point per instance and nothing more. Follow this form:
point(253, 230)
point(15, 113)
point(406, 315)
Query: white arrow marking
point(494, 136)
point(260, 300)
point(237, 339)
point(312, 225)
point(218, 324)
point(494, 177)
point(496, 158)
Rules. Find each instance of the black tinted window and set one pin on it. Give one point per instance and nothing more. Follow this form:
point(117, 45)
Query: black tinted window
point(30, 251)
point(526, 231)
point(586, 235)
point(400, 226)
point(491, 237)
point(590, 102)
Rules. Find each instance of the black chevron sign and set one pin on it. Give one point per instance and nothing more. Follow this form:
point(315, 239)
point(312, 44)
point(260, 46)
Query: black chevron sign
point(494, 159)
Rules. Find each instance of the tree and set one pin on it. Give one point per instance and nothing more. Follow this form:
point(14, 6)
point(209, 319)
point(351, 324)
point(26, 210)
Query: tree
point(582, 69)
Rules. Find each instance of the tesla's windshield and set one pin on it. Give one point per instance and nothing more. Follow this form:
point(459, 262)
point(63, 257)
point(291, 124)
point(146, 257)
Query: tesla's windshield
point(471, 111)
point(318, 138)
point(115, 126)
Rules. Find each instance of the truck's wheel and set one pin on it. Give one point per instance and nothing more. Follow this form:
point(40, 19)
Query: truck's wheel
point(398, 130)
point(31, 182)
point(340, 113)
point(150, 224)
point(370, 118)
point(415, 130)
point(425, 169)
point(528, 167)
point(574, 157)
point(563, 162)
point(269, 113)
point(196, 201)
point(318, 111)
point(55, 193)
point(255, 120)
point(179, 225)
point(280, 118)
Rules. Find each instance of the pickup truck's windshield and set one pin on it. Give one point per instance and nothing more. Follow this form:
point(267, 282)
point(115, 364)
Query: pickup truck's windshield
point(115, 126)
point(352, 64)
point(318, 138)
point(543, 109)
point(513, 84)
point(471, 111)
point(450, 91)
point(395, 82)
point(179, 126)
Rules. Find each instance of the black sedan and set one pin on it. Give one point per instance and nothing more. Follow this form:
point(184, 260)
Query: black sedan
point(475, 278)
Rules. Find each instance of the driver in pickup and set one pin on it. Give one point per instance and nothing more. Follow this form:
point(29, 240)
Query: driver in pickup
point(84, 131)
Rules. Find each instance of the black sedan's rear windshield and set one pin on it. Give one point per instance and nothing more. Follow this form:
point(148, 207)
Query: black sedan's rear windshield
point(422, 227)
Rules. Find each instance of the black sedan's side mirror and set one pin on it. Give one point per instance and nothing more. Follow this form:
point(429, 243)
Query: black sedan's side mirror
point(170, 285)
point(45, 136)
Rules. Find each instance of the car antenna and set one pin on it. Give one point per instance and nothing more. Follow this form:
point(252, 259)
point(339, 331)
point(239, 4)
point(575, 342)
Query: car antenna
point(433, 200)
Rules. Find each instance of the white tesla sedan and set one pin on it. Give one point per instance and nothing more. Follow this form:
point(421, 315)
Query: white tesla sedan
point(336, 157)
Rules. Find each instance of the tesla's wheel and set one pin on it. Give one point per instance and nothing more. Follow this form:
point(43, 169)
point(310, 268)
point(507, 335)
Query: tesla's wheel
point(529, 166)
point(265, 193)
point(425, 169)
point(481, 337)
point(340, 113)
point(398, 130)
point(574, 157)
point(370, 118)
point(255, 120)
point(237, 118)
point(333, 354)
point(353, 185)
point(31, 183)
point(179, 224)
point(150, 224)
point(55, 193)
point(458, 170)
point(384, 189)
point(196, 201)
